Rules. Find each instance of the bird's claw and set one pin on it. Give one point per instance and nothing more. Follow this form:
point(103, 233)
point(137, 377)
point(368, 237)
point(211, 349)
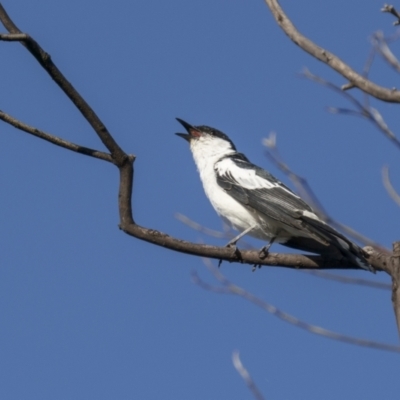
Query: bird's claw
point(263, 253)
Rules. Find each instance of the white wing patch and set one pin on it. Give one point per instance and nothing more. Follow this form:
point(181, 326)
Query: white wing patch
point(247, 178)
point(310, 214)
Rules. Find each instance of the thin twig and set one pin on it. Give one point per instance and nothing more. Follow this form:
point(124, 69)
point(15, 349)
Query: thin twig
point(248, 380)
point(380, 44)
point(370, 113)
point(48, 65)
point(54, 139)
point(228, 234)
point(388, 185)
point(200, 228)
point(229, 288)
point(349, 280)
point(329, 58)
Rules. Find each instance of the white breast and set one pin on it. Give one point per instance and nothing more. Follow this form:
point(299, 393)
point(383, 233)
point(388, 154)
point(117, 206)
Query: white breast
point(228, 208)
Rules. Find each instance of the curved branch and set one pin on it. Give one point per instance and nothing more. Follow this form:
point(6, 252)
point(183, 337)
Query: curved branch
point(330, 59)
point(248, 380)
point(228, 287)
point(388, 185)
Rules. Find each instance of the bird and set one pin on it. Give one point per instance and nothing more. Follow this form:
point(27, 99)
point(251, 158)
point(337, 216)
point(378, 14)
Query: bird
point(252, 201)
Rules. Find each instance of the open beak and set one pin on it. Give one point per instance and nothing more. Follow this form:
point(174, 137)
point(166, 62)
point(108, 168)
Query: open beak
point(192, 132)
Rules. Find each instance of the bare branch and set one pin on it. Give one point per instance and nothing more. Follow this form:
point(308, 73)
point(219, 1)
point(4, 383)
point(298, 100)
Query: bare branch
point(388, 185)
point(370, 113)
point(248, 380)
point(329, 58)
point(390, 9)
point(200, 228)
point(380, 44)
point(229, 288)
point(351, 281)
point(54, 139)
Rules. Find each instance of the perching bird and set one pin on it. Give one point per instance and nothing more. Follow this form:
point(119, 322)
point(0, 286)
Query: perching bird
point(254, 202)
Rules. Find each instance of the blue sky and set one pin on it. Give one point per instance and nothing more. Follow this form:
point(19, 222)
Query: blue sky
point(88, 312)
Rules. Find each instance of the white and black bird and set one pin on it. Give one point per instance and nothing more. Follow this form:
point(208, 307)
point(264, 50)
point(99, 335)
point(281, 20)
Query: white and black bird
point(254, 202)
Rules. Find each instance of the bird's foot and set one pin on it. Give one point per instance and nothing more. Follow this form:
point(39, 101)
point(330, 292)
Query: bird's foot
point(235, 252)
point(263, 253)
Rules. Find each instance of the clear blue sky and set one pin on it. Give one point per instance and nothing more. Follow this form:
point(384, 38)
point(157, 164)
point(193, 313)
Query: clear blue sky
point(89, 313)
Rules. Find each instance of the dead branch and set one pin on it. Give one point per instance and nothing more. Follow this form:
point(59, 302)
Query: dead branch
point(380, 44)
point(330, 59)
point(54, 139)
point(388, 185)
point(349, 280)
point(248, 380)
point(227, 287)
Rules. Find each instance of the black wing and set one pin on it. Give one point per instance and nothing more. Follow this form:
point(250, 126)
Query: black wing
point(257, 189)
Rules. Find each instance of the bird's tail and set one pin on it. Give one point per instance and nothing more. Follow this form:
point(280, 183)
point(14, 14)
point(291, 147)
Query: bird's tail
point(332, 243)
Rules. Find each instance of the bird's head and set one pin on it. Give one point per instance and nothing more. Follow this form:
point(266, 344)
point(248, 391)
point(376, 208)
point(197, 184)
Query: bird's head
point(206, 140)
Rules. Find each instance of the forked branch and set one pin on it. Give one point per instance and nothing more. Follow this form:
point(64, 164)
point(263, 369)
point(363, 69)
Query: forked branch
point(330, 59)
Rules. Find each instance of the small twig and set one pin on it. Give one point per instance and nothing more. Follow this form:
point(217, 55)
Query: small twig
point(248, 380)
point(13, 37)
point(227, 234)
point(229, 288)
point(371, 114)
point(388, 185)
point(380, 44)
point(351, 281)
point(54, 139)
point(390, 9)
point(200, 228)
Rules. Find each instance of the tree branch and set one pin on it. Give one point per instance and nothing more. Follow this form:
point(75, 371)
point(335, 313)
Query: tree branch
point(330, 59)
point(228, 287)
point(380, 44)
point(388, 185)
point(370, 113)
point(54, 139)
point(46, 62)
point(248, 380)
